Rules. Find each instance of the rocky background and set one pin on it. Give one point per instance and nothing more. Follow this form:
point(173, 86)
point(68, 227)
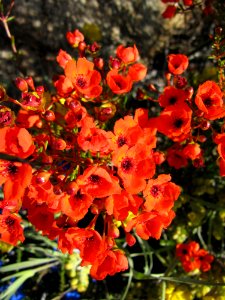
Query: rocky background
point(39, 27)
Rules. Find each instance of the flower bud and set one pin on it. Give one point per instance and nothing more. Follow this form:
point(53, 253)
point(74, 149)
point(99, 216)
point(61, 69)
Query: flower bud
point(99, 63)
point(130, 239)
point(71, 188)
point(42, 177)
point(58, 144)
point(30, 82)
point(49, 115)
point(21, 84)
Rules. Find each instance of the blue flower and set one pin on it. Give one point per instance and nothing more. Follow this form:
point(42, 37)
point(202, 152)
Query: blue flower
point(71, 295)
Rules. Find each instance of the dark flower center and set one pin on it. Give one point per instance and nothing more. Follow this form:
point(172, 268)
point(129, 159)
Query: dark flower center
point(172, 100)
point(178, 123)
point(94, 179)
point(127, 165)
point(9, 221)
point(184, 251)
point(155, 190)
point(81, 82)
point(12, 169)
point(208, 102)
point(5, 118)
point(121, 141)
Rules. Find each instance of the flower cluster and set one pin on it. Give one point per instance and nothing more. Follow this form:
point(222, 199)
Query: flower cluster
point(192, 257)
point(81, 176)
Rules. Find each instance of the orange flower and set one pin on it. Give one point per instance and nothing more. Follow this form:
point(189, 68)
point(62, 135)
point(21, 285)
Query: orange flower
point(97, 182)
point(160, 194)
point(16, 141)
point(137, 72)
point(11, 231)
point(150, 224)
point(192, 151)
point(135, 165)
point(119, 84)
point(16, 177)
point(109, 262)
point(63, 85)
point(93, 139)
point(84, 78)
point(120, 204)
point(209, 99)
point(126, 132)
point(127, 55)
point(177, 63)
point(62, 58)
point(76, 206)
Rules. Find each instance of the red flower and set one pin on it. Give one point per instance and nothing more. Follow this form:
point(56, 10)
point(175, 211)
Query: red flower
point(120, 204)
point(172, 97)
point(192, 151)
point(119, 84)
point(176, 158)
point(11, 231)
point(97, 182)
point(135, 165)
point(93, 139)
point(205, 259)
point(177, 63)
point(76, 206)
point(192, 257)
point(209, 99)
point(126, 132)
point(16, 177)
point(169, 12)
point(175, 123)
point(16, 141)
point(109, 262)
point(74, 38)
point(62, 58)
point(160, 194)
point(63, 85)
point(27, 119)
point(150, 224)
point(188, 2)
point(127, 55)
point(137, 72)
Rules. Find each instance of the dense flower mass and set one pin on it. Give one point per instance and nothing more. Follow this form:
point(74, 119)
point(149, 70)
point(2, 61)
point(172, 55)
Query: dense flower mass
point(84, 173)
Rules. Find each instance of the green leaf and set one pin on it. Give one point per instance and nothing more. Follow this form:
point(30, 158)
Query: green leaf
point(26, 264)
point(11, 290)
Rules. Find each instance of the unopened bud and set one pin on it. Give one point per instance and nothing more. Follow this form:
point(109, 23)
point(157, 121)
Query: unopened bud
point(58, 144)
point(82, 46)
point(30, 82)
point(49, 115)
point(21, 84)
point(42, 177)
point(99, 63)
